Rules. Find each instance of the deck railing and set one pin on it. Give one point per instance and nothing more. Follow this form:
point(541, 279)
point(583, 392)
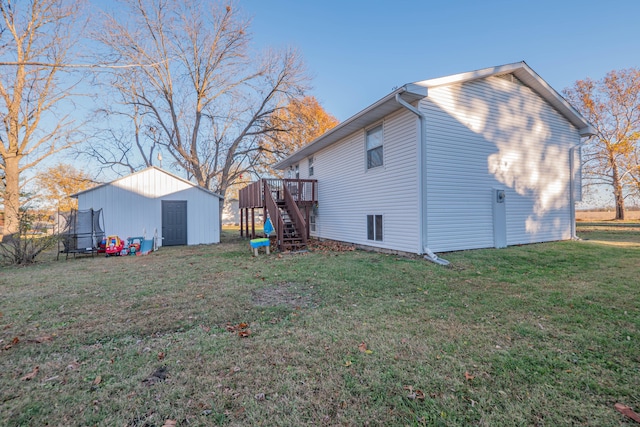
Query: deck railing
point(303, 191)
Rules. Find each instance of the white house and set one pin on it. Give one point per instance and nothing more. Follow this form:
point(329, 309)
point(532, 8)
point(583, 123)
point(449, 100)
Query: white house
point(154, 200)
point(231, 212)
point(487, 158)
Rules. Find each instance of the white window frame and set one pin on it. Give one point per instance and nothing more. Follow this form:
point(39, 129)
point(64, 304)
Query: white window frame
point(312, 222)
point(372, 234)
point(311, 171)
point(370, 149)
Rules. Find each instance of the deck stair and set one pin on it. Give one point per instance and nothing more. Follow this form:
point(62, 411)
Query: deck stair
point(292, 237)
point(287, 202)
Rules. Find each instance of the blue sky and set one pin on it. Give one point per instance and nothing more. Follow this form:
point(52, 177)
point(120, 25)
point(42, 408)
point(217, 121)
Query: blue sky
point(358, 51)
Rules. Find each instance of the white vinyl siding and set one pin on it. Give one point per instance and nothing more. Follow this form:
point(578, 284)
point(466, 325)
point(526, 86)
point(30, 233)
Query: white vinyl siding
point(132, 205)
point(495, 133)
point(347, 192)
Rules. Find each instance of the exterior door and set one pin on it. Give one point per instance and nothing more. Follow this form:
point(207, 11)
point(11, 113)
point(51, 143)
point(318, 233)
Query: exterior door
point(174, 222)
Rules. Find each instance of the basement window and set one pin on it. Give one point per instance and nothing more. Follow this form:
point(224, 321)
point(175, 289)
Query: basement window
point(374, 147)
point(374, 227)
point(312, 222)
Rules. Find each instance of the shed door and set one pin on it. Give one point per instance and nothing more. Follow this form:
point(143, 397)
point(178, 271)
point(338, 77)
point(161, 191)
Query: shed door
point(174, 222)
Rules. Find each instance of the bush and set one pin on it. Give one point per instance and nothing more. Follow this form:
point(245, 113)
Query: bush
point(31, 239)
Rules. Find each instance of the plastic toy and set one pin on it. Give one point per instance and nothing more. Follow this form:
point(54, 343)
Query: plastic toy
point(134, 245)
point(114, 245)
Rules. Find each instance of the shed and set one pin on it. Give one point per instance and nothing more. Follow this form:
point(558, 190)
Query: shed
point(154, 200)
point(487, 158)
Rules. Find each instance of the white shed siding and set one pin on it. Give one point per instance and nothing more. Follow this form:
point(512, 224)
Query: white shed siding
point(348, 192)
point(133, 205)
point(494, 133)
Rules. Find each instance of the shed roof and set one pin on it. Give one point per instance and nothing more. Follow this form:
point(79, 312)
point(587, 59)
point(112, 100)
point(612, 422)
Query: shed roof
point(414, 91)
point(144, 171)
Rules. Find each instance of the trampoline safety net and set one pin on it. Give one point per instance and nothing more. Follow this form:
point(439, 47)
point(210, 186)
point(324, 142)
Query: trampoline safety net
point(80, 231)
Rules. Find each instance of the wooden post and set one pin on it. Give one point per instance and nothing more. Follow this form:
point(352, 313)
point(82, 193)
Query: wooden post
point(241, 222)
point(253, 223)
point(246, 222)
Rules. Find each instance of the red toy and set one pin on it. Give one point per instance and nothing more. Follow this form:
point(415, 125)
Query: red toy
point(114, 245)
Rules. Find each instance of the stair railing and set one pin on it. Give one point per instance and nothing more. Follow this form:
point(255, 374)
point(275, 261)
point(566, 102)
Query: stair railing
point(296, 216)
point(274, 213)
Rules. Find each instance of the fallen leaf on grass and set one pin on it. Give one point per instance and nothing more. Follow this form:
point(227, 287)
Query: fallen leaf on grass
point(205, 328)
point(14, 341)
point(170, 423)
point(161, 355)
point(627, 412)
point(414, 394)
point(468, 376)
point(31, 375)
point(98, 380)
point(363, 348)
point(331, 246)
point(347, 363)
point(73, 365)
point(240, 328)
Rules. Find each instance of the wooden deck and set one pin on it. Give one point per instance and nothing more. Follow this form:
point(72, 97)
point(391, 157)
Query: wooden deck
point(287, 202)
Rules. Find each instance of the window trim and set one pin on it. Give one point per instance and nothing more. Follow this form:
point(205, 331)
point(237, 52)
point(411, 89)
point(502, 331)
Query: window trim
point(313, 225)
point(369, 131)
point(375, 221)
point(311, 166)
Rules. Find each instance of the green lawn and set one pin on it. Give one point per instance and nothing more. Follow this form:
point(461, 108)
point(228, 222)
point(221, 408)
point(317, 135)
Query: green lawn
point(545, 334)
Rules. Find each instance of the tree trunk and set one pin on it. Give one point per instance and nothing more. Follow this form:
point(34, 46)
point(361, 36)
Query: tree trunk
point(11, 197)
point(617, 193)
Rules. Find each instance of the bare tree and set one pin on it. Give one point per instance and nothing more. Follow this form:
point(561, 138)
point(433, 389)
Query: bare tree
point(612, 105)
point(201, 94)
point(35, 44)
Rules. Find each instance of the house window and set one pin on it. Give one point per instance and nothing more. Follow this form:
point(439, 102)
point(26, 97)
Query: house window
point(312, 222)
point(374, 147)
point(311, 166)
point(374, 227)
point(297, 172)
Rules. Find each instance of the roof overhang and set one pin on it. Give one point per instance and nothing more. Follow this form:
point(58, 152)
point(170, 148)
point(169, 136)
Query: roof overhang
point(530, 78)
point(376, 111)
point(75, 195)
point(415, 91)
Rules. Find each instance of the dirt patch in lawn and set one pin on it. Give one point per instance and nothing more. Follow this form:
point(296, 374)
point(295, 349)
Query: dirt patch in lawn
point(286, 294)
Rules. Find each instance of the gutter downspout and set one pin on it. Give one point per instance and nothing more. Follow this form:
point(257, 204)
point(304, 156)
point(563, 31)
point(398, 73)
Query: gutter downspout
point(422, 225)
point(572, 184)
point(572, 189)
